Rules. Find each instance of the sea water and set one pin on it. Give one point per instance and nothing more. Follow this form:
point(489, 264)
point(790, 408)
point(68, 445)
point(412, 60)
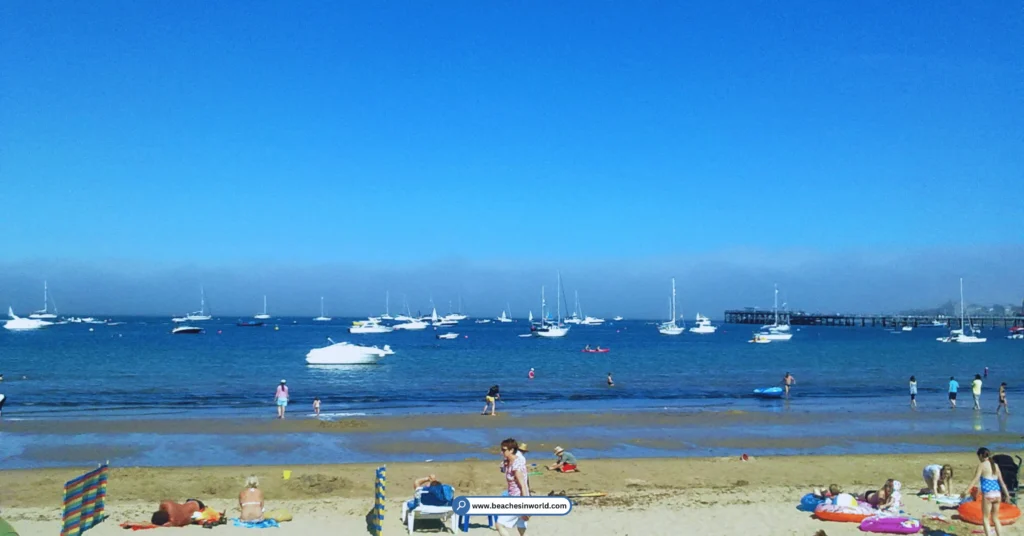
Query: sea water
point(852, 380)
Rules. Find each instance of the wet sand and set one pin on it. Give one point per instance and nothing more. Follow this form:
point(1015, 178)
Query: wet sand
point(645, 496)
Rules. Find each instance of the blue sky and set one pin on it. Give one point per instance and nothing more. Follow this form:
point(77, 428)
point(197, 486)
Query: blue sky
point(168, 142)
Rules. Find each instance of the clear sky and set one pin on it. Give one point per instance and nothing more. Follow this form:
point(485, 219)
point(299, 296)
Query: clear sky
point(295, 148)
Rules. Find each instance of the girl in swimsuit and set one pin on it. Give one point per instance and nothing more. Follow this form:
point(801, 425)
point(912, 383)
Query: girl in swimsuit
point(993, 490)
point(250, 500)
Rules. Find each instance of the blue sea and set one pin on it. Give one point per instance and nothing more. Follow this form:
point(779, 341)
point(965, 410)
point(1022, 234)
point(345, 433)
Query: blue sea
point(851, 382)
point(139, 370)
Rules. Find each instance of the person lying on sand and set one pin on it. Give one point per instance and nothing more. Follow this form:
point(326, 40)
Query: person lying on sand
point(566, 462)
point(894, 499)
point(172, 514)
point(878, 497)
point(827, 493)
point(250, 500)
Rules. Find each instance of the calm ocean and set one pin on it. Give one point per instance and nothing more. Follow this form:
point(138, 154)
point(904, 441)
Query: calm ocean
point(139, 370)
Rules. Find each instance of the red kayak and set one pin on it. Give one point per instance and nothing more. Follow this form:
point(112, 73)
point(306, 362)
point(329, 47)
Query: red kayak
point(601, 351)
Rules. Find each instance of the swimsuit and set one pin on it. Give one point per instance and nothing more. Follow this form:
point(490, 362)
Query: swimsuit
point(990, 488)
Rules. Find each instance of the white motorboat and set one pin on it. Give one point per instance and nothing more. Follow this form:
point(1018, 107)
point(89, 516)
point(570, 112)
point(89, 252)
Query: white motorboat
point(16, 323)
point(186, 330)
point(703, 326)
point(411, 325)
point(176, 320)
point(960, 335)
point(343, 353)
point(370, 326)
point(263, 315)
point(1015, 336)
point(670, 327)
point(200, 315)
point(322, 317)
point(44, 313)
point(935, 324)
point(775, 326)
point(617, 319)
point(907, 328)
point(548, 329)
point(483, 321)
point(448, 336)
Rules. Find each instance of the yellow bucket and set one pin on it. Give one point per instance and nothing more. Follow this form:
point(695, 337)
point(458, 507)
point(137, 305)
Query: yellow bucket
point(287, 475)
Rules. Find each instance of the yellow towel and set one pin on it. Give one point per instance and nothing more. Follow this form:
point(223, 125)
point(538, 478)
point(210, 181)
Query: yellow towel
point(278, 515)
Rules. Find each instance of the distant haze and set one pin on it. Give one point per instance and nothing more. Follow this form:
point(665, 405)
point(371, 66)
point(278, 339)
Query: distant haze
point(850, 281)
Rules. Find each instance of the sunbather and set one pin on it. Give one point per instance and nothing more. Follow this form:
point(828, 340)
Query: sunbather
point(430, 491)
point(172, 514)
point(250, 500)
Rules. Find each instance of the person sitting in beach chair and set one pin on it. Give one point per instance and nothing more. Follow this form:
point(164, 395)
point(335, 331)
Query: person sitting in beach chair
point(566, 462)
point(431, 500)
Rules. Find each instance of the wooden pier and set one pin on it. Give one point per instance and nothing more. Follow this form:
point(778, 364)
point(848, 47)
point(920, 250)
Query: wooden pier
point(762, 318)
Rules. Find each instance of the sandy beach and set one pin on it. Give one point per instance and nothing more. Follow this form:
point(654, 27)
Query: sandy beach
point(645, 496)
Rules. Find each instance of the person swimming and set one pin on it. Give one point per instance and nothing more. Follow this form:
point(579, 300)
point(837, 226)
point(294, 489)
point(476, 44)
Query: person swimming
point(610, 382)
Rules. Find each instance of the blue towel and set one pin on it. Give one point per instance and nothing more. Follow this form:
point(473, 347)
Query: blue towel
point(265, 524)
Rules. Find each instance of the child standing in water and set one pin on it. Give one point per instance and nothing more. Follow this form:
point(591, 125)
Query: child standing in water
point(316, 406)
point(913, 392)
point(1002, 399)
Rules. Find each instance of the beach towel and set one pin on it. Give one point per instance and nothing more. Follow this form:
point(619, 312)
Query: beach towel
point(138, 525)
point(265, 524)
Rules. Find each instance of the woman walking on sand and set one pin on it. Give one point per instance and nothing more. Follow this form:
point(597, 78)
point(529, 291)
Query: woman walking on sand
point(518, 486)
point(993, 490)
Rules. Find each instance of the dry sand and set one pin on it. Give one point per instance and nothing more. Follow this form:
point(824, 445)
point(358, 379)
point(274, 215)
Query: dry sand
point(645, 496)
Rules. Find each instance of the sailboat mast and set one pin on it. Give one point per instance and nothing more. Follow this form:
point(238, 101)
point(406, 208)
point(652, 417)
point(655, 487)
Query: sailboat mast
point(962, 324)
point(776, 307)
point(264, 304)
point(558, 302)
point(46, 299)
point(542, 304)
point(387, 302)
point(673, 300)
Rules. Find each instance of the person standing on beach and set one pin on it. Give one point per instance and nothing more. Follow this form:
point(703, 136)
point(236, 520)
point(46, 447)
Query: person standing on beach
point(787, 381)
point(1002, 399)
point(976, 391)
point(913, 392)
point(953, 386)
point(281, 398)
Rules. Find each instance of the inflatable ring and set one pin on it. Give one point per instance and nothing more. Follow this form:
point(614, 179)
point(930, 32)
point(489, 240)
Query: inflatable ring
point(809, 502)
point(831, 512)
point(891, 525)
point(971, 512)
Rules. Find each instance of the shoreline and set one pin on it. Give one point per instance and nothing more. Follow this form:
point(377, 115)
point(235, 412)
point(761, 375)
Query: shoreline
point(718, 495)
point(454, 438)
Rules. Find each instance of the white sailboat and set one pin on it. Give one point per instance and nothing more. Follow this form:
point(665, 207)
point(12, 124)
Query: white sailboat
point(387, 306)
point(670, 327)
point(577, 316)
point(703, 326)
point(263, 315)
point(455, 317)
point(775, 326)
point(505, 318)
point(199, 315)
point(44, 313)
point(960, 335)
point(323, 317)
point(548, 329)
point(437, 321)
point(16, 323)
